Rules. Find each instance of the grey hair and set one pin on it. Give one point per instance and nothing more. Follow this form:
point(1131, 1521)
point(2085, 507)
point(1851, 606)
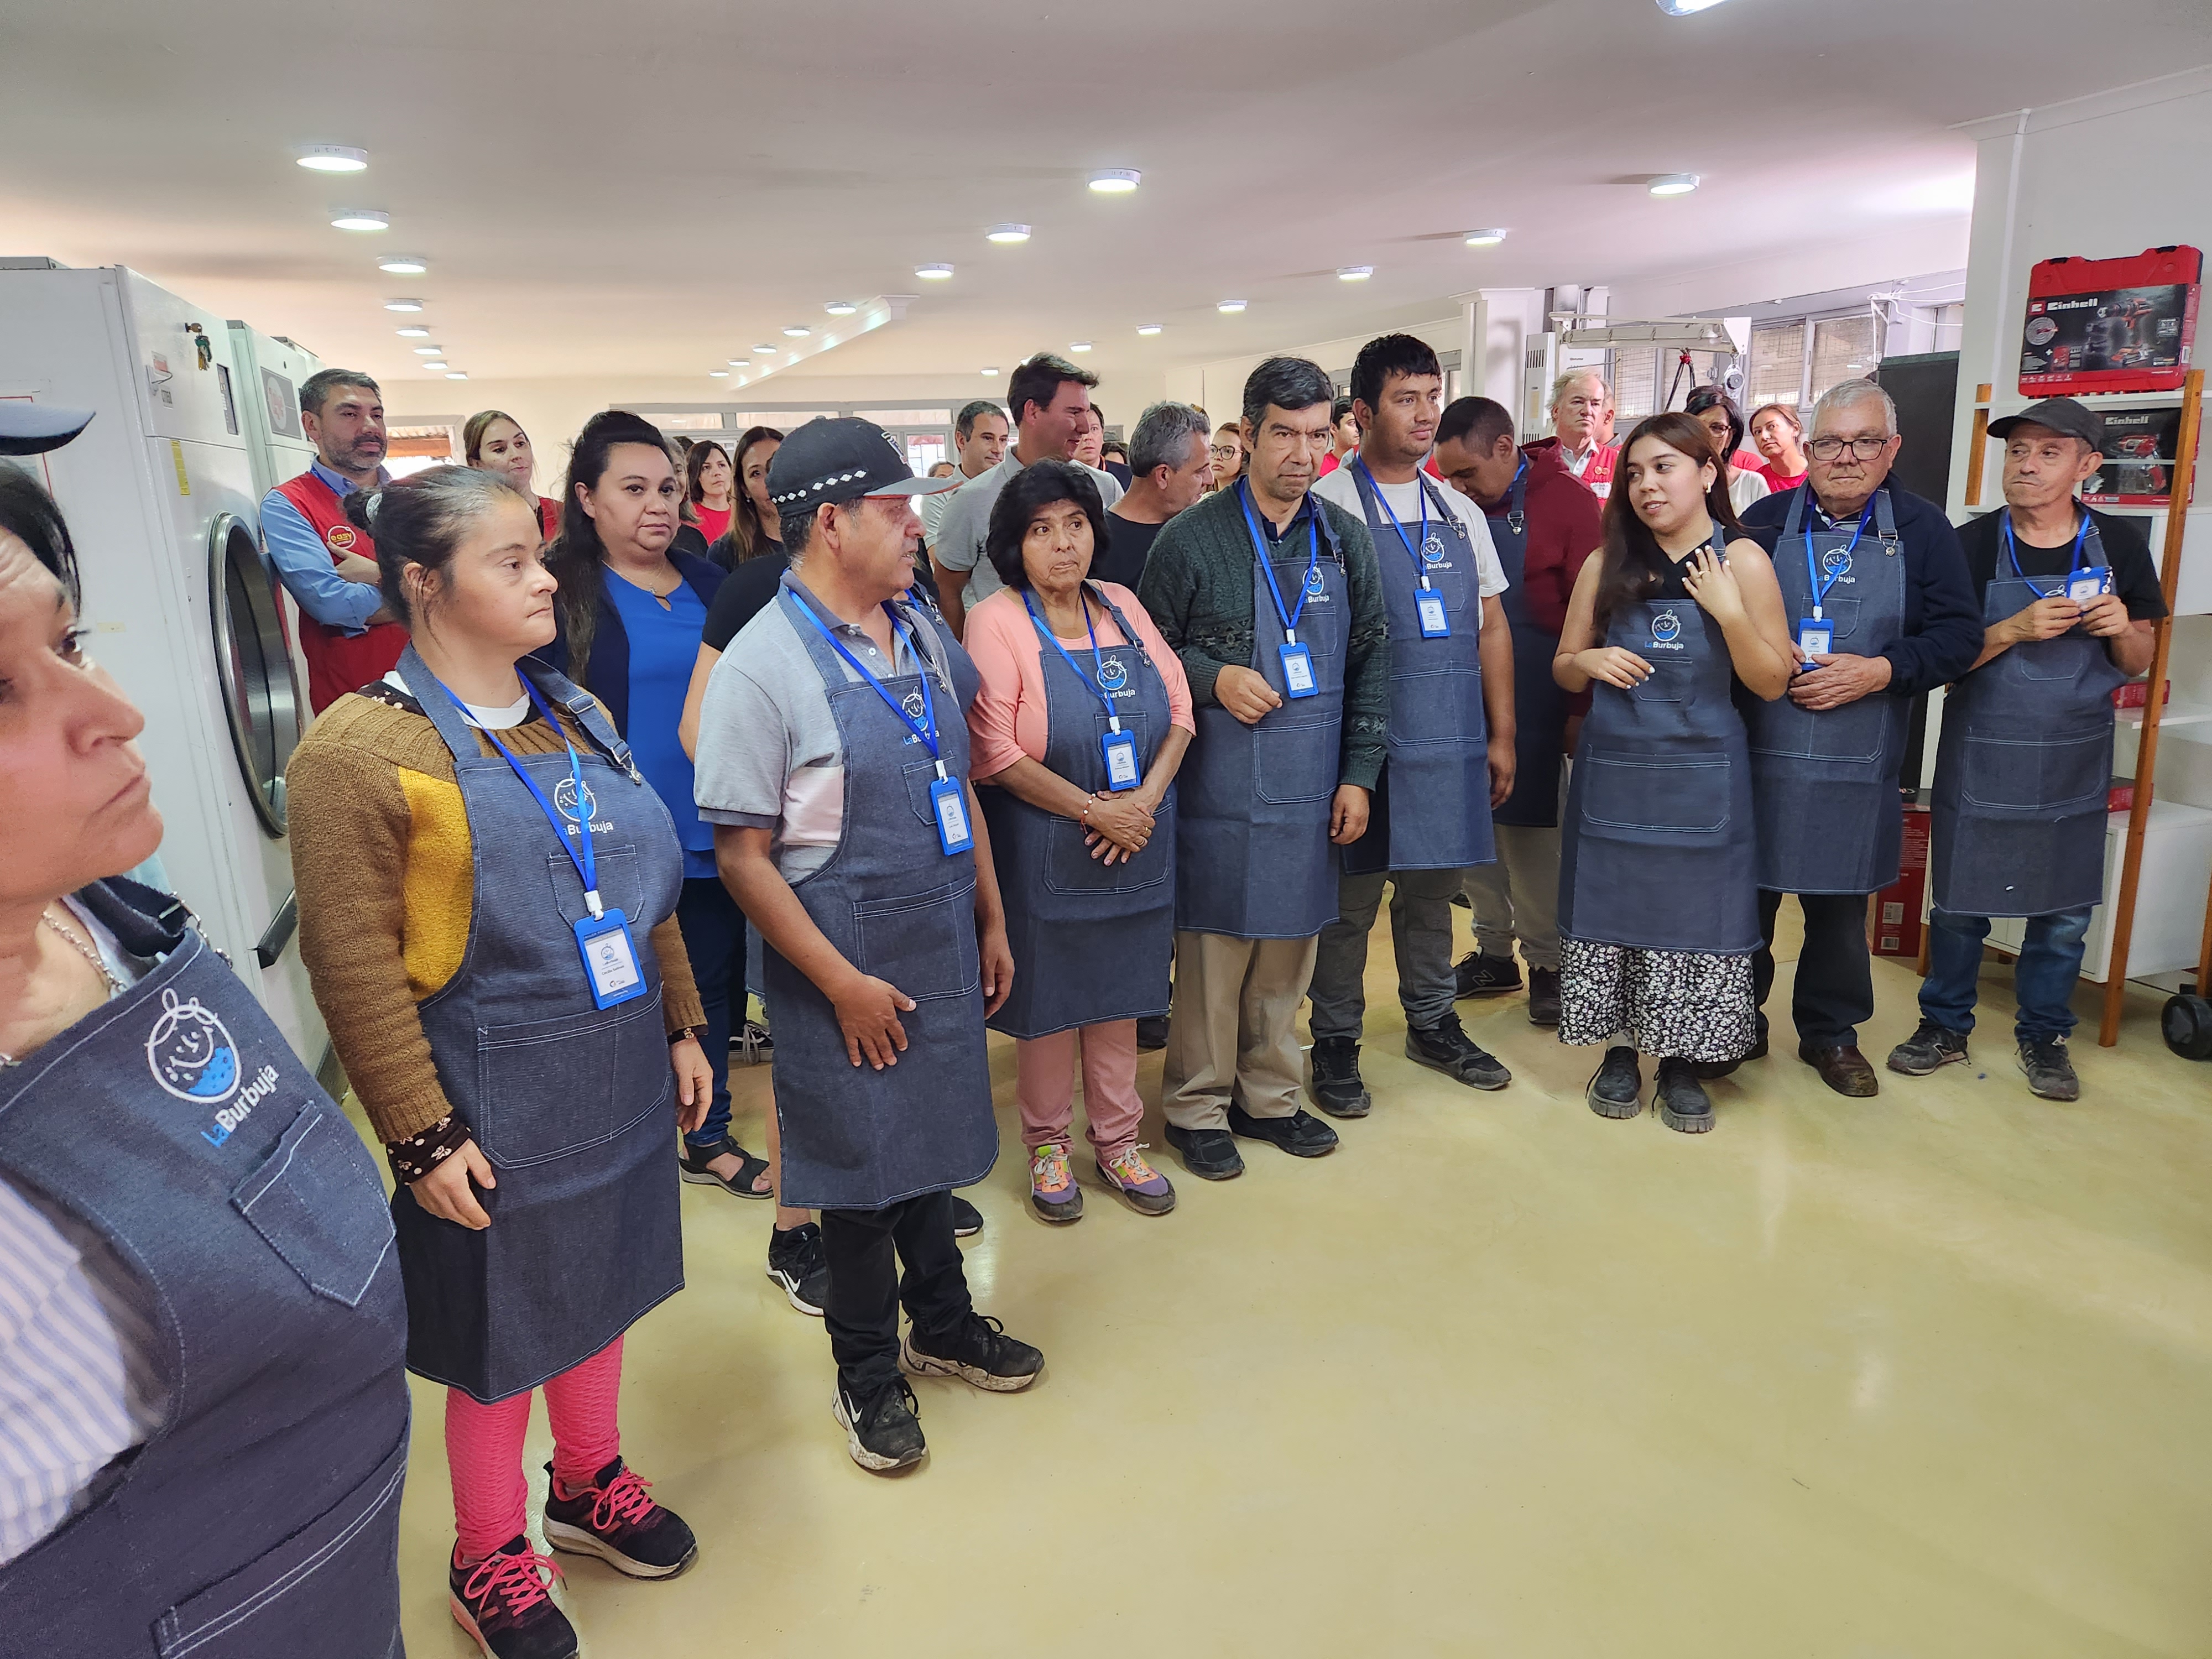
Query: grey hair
point(421, 521)
point(1163, 437)
point(1287, 384)
point(797, 523)
point(1586, 372)
point(1844, 394)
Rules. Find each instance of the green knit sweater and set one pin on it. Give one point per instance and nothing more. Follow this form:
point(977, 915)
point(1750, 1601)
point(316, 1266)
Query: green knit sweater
point(1198, 587)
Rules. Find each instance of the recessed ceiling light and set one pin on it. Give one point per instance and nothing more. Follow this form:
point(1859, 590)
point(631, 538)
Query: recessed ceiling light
point(404, 264)
point(1009, 232)
point(740, 362)
point(1078, 345)
point(1674, 184)
point(718, 374)
point(414, 333)
point(429, 351)
point(1148, 328)
point(1229, 307)
point(765, 350)
point(1685, 8)
point(990, 371)
point(360, 219)
point(455, 374)
point(402, 304)
point(333, 158)
point(934, 273)
point(795, 332)
point(1484, 238)
point(1120, 181)
point(841, 307)
point(438, 363)
point(1354, 273)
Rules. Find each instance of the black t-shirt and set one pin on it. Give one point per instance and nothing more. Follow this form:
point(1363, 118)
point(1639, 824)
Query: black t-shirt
point(747, 592)
point(2134, 578)
point(1128, 544)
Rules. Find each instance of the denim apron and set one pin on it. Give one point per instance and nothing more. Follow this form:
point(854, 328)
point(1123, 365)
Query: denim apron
point(1824, 783)
point(1253, 859)
point(1539, 703)
point(2023, 767)
point(1431, 805)
point(1090, 940)
point(896, 906)
point(261, 1520)
point(1658, 853)
point(571, 1103)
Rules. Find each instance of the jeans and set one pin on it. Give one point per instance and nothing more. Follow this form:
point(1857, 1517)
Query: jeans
point(714, 939)
point(861, 1310)
point(1420, 935)
point(2043, 978)
point(1834, 990)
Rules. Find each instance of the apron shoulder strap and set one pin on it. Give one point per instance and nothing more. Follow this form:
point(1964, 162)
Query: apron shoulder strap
point(1136, 641)
point(583, 708)
point(1884, 515)
point(146, 922)
point(1793, 522)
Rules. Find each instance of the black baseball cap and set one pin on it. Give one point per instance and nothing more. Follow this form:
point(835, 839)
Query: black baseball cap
point(841, 458)
point(2060, 414)
point(32, 428)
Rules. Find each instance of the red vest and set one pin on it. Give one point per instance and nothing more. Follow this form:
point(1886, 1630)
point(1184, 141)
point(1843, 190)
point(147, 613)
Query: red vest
point(337, 662)
point(549, 516)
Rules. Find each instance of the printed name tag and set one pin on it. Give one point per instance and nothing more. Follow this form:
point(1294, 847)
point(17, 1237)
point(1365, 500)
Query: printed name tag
point(1435, 625)
point(610, 958)
point(948, 801)
point(1120, 749)
point(2088, 585)
point(1816, 639)
point(1298, 671)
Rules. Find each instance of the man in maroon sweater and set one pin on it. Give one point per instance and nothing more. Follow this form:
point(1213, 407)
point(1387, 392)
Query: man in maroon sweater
point(1544, 523)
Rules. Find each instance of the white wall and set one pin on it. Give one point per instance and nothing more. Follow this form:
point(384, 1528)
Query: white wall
point(1219, 387)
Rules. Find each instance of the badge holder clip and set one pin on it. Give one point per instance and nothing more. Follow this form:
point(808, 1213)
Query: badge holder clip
point(1298, 666)
point(1119, 750)
point(948, 804)
point(609, 954)
point(1429, 606)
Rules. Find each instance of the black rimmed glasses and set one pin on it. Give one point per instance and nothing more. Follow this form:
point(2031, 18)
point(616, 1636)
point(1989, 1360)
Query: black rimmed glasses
point(1832, 448)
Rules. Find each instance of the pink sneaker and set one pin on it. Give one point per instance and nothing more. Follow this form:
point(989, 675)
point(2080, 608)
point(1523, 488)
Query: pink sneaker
point(1052, 1191)
point(1146, 1190)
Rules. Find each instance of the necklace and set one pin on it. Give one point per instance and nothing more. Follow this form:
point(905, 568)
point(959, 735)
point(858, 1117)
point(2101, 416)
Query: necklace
point(83, 948)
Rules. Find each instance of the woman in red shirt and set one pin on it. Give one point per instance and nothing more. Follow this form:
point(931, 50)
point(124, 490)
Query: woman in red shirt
point(1780, 436)
point(494, 441)
point(708, 479)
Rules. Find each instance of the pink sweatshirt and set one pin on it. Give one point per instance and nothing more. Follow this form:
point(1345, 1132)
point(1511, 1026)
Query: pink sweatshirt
point(1008, 718)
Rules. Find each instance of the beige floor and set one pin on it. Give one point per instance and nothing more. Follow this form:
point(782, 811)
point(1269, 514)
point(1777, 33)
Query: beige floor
point(1927, 1375)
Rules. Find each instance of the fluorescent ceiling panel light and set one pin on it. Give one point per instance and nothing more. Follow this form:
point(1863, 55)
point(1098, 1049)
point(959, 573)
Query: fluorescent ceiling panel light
point(414, 333)
point(333, 158)
point(402, 304)
point(404, 264)
point(934, 273)
point(841, 307)
point(429, 351)
point(456, 374)
point(1354, 273)
point(360, 219)
point(1672, 184)
point(1484, 238)
point(1116, 181)
point(1148, 328)
point(794, 331)
point(1229, 307)
point(1008, 233)
point(1078, 345)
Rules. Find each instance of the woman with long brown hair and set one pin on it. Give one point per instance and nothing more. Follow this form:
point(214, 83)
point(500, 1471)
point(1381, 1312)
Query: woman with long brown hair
point(1658, 904)
point(709, 486)
point(754, 526)
point(493, 440)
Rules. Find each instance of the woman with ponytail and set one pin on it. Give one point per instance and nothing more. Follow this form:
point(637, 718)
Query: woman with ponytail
point(493, 440)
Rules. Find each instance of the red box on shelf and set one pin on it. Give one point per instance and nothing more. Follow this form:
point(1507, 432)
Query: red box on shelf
point(2121, 325)
point(1893, 915)
point(2135, 694)
point(2121, 796)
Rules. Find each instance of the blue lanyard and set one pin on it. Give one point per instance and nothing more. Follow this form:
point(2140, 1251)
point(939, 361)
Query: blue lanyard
point(586, 861)
point(925, 729)
point(1290, 617)
point(1097, 660)
point(1812, 564)
point(1420, 564)
point(2072, 563)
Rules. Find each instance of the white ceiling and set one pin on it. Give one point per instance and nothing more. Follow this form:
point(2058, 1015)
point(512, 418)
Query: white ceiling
point(644, 190)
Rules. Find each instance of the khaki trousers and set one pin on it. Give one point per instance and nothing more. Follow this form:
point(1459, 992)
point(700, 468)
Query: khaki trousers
point(1232, 1032)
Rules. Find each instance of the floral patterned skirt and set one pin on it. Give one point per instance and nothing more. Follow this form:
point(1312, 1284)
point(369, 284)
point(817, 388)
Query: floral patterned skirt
point(1685, 1004)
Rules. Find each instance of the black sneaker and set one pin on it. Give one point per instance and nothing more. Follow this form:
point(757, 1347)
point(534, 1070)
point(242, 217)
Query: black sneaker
point(1616, 1088)
point(967, 1220)
point(977, 1351)
point(1928, 1049)
point(883, 1431)
point(504, 1603)
point(1679, 1099)
point(1334, 1081)
point(1300, 1134)
point(614, 1519)
point(2050, 1074)
point(1544, 996)
point(1209, 1154)
point(1445, 1047)
point(1480, 975)
point(1152, 1034)
point(797, 1262)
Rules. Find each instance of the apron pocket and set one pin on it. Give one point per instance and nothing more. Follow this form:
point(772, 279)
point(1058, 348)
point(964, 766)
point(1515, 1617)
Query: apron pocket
point(2023, 775)
point(615, 869)
point(546, 1088)
point(1294, 762)
point(924, 945)
point(1070, 869)
point(314, 1204)
point(334, 1582)
point(1674, 803)
point(1443, 705)
point(1668, 682)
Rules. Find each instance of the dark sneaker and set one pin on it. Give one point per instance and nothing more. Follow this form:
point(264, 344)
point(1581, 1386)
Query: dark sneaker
point(1842, 1068)
point(1300, 1134)
point(883, 1431)
point(1334, 1083)
point(1480, 975)
point(1152, 1033)
point(1679, 1099)
point(798, 1263)
point(967, 1220)
point(1929, 1048)
point(504, 1604)
point(616, 1520)
point(1544, 996)
point(1616, 1088)
point(977, 1351)
point(693, 1162)
point(752, 1042)
point(2050, 1072)
point(1445, 1047)
point(1209, 1154)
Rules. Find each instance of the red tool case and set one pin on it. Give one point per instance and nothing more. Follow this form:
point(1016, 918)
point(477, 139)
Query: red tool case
point(2110, 324)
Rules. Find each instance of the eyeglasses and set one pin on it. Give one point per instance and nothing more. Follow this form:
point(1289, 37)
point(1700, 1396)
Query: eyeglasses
point(1829, 449)
point(1223, 452)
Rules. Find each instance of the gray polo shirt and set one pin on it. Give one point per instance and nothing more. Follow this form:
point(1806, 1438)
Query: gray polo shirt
point(769, 755)
point(966, 525)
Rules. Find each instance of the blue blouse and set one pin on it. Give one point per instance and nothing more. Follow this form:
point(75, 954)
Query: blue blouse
point(664, 645)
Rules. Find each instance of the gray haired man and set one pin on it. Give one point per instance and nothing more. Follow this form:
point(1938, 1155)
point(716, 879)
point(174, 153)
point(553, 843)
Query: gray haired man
point(1168, 469)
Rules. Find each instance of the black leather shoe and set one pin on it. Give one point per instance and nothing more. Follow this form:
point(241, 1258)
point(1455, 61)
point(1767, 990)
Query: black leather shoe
point(1209, 1154)
point(1479, 976)
point(1335, 1083)
point(1616, 1088)
point(1680, 1100)
point(1151, 1033)
point(1544, 996)
point(1844, 1069)
point(1300, 1134)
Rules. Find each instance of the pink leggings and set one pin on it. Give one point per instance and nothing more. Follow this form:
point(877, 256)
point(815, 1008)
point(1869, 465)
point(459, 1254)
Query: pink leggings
point(1044, 1086)
point(483, 1448)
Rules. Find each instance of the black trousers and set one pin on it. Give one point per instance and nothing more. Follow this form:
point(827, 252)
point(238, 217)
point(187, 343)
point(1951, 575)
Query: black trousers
point(1835, 979)
point(865, 1287)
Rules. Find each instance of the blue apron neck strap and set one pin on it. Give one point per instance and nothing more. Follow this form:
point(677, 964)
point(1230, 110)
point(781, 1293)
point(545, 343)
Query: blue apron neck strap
point(585, 710)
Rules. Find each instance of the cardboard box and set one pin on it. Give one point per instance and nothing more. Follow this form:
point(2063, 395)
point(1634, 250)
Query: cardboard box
point(1893, 922)
point(2110, 324)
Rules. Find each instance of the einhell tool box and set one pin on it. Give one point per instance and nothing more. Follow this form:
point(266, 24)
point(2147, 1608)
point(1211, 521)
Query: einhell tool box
point(2138, 468)
point(2110, 324)
point(1893, 923)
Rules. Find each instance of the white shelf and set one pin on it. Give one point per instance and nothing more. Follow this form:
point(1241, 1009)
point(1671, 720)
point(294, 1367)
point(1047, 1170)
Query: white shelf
point(2175, 713)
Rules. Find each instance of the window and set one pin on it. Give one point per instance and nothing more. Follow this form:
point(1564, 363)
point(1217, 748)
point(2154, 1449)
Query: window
point(783, 420)
point(924, 450)
point(1634, 370)
point(687, 423)
point(896, 417)
point(1842, 349)
point(1777, 364)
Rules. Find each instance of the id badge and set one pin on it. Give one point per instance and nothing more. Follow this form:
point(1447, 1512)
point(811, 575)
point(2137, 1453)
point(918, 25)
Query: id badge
point(1298, 670)
point(1816, 639)
point(1120, 749)
point(2088, 585)
point(610, 958)
point(1430, 604)
point(950, 804)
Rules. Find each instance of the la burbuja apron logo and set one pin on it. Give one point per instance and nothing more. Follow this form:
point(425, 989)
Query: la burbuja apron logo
point(1433, 550)
point(914, 707)
point(1665, 627)
point(1315, 583)
point(1113, 674)
point(1837, 562)
point(192, 1055)
point(564, 801)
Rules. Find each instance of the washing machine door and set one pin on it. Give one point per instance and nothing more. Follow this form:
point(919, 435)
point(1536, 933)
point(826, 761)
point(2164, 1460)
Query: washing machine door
point(261, 692)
